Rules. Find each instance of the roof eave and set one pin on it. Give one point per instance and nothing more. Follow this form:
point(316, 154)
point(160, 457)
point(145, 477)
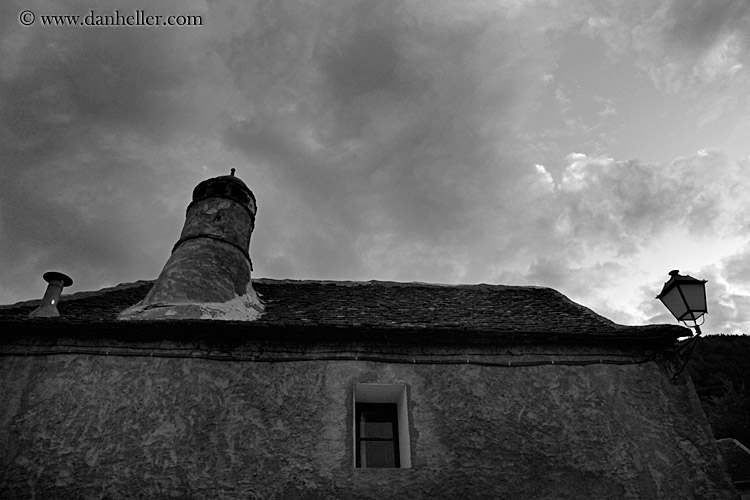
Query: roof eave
point(47, 330)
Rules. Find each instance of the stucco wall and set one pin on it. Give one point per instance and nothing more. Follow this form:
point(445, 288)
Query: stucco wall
point(79, 426)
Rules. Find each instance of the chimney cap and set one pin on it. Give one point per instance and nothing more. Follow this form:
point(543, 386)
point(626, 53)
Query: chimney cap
point(230, 178)
point(51, 276)
point(202, 189)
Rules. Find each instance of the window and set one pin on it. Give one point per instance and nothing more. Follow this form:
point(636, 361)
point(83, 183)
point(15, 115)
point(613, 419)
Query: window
point(381, 430)
point(377, 435)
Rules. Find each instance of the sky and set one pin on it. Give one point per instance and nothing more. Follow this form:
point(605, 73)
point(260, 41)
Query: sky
point(590, 146)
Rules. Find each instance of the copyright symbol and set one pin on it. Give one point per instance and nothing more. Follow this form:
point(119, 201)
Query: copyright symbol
point(26, 17)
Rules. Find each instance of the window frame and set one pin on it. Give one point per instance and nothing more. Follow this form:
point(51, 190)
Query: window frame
point(383, 393)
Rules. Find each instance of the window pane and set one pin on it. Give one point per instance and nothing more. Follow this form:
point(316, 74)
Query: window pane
point(374, 429)
point(378, 454)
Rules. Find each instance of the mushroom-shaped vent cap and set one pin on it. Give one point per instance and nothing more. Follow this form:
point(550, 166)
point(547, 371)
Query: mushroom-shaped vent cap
point(51, 276)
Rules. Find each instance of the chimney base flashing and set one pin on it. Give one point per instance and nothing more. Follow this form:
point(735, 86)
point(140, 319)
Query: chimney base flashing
point(246, 307)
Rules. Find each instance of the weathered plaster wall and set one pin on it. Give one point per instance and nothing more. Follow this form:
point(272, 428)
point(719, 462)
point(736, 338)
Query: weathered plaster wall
point(76, 426)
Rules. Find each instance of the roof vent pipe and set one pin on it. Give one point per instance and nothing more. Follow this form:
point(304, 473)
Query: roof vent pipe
point(48, 307)
point(208, 274)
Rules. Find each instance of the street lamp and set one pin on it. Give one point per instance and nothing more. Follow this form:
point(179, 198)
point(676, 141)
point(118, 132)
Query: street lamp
point(685, 297)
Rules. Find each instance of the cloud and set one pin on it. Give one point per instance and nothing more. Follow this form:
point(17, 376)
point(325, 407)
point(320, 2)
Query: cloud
point(625, 203)
point(728, 292)
point(90, 133)
point(620, 224)
point(416, 148)
point(697, 50)
point(383, 140)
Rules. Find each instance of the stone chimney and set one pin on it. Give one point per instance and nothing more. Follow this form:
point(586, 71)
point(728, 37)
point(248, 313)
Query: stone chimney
point(208, 274)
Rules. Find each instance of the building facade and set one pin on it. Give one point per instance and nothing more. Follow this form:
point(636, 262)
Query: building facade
point(343, 390)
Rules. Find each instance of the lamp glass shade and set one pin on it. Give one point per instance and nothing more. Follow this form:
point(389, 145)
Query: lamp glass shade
point(695, 297)
point(685, 297)
point(673, 300)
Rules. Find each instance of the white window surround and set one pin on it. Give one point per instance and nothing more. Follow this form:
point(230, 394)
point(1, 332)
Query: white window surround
point(385, 393)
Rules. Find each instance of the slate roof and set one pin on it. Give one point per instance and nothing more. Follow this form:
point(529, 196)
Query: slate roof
point(494, 310)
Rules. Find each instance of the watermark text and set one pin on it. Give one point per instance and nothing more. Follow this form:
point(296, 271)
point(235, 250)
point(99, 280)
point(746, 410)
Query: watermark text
point(116, 18)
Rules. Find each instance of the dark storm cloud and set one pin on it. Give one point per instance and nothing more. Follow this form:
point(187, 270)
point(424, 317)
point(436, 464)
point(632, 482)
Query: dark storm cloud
point(402, 124)
point(383, 140)
point(696, 50)
point(72, 100)
point(698, 24)
point(368, 63)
